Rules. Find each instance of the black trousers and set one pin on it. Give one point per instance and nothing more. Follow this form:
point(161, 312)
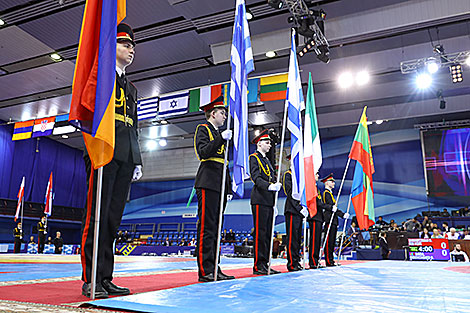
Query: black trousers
point(117, 177)
point(17, 245)
point(208, 212)
point(294, 238)
point(262, 221)
point(41, 241)
point(330, 244)
point(314, 242)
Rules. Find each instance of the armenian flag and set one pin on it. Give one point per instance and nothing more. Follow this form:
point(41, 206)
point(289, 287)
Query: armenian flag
point(93, 89)
point(362, 190)
point(23, 130)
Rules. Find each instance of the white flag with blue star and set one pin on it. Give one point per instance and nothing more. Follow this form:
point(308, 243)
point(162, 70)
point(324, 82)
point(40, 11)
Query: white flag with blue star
point(174, 104)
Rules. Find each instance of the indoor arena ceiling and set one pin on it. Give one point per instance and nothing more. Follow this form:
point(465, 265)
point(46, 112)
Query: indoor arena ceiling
point(182, 44)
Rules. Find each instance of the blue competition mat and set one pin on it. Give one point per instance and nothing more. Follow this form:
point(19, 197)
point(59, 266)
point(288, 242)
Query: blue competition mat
point(375, 286)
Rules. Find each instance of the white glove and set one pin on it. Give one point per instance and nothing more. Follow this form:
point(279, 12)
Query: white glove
point(229, 197)
point(227, 134)
point(335, 208)
point(275, 187)
point(137, 173)
point(346, 216)
point(276, 212)
point(304, 212)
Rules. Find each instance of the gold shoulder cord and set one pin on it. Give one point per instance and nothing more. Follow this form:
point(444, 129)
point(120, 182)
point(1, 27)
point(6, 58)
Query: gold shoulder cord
point(211, 138)
point(122, 101)
point(266, 170)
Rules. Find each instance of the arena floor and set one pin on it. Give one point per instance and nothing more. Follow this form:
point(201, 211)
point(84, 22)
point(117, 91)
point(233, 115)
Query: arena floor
point(50, 283)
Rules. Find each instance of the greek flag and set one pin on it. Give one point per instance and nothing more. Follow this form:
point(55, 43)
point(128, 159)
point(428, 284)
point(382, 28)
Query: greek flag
point(295, 104)
point(242, 64)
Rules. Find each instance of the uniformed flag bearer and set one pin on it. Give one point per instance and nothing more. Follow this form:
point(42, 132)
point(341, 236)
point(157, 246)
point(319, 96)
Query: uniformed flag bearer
point(262, 202)
point(210, 145)
point(329, 200)
point(294, 215)
point(18, 234)
point(125, 166)
point(41, 234)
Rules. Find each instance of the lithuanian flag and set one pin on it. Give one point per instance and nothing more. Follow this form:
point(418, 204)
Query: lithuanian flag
point(273, 87)
point(362, 189)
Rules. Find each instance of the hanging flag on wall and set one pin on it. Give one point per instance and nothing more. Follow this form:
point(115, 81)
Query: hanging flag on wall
point(203, 95)
point(273, 87)
point(175, 104)
point(147, 108)
point(253, 90)
point(23, 130)
point(43, 126)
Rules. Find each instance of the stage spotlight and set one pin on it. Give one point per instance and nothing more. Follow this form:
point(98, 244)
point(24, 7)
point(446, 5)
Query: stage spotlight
point(456, 72)
point(442, 102)
point(432, 67)
point(362, 78)
point(162, 142)
point(442, 105)
point(275, 4)
point(151, 145)
point(324, 55)
point(423, 80)
point(249, 15)
point(345, 80)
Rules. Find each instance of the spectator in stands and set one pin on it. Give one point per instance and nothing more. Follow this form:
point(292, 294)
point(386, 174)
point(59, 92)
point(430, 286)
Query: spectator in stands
point(453, 234)
point(353, 234)
point(49, 240)
point(411, 225)
point(58, 243)
point(445, 213)
point(126, 237)
point(383, 244)
point(31, 240)
point(167, 242)
point(445, 227)
point(394, 227)
point(381, 223)
point(192, 243)
point(245, 242)
point(425, 234)
point(183, 243)
point(436, 233)
point(230, 236)
point(465, 211)
point(466, 235)
point(224, 235)
point(427, 222)
point(119, 238)
point(457, 255)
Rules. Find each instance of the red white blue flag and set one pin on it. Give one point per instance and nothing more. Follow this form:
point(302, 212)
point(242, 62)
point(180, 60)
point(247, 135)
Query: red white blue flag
point(20, 199)
point(43, 126)
point(48, 200)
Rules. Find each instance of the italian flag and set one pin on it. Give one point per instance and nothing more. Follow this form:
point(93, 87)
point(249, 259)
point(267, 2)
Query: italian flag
point(312, 150)
point(203, 95)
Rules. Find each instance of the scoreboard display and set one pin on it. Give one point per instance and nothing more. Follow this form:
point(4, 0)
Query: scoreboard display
point(428, 249)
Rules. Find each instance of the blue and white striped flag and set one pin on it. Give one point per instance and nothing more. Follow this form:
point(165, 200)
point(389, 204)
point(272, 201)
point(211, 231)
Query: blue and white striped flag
point(147, 108)
point(242, 64)
point(295, 104)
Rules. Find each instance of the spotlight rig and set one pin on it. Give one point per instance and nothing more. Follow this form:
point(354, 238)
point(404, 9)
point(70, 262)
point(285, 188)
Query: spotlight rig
point(308, 23)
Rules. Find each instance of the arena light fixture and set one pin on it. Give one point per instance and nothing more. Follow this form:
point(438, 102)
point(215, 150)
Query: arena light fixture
point(55, 57)
point(378, 122)
point(345, 80)
point(432, 66)
point(162, 142)
point(467, 61)
point(423, 80)
point(275, 4)
point(65, 136)
point(151, 145)
point(249, 15)
point(2, 22)
point(362, 78)
point(456, 73)
point(270, 54)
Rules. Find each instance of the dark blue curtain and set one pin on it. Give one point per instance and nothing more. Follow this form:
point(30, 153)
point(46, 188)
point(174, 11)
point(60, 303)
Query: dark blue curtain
point(36, 159)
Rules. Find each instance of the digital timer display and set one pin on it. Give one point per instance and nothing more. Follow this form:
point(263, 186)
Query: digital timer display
point(428, 249)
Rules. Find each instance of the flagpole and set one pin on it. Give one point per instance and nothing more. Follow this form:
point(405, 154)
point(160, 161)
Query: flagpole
point(333, 213)
point(222, 200)
point(96, 231)
point(284, 124)
point(344, 228)
point(305, 239)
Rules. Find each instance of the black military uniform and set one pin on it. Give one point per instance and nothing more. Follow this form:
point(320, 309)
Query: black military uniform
point(117, 177)
point(294, 220)
point(262, 205)
point(210, 150)
point(316, 227)
point(18, 234)
point(329, 199)
point(41, 236)
point(58, 244)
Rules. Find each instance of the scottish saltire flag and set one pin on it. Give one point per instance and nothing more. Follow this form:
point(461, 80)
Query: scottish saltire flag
point(147, 108)
point(43, 126)
point(312, 150)
point(172, 105)
point(20, 199)
point(362, 191)
point(93, 88)
point(295, 104)
point(48, 199)
point(241, 62)
point(23, 130)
